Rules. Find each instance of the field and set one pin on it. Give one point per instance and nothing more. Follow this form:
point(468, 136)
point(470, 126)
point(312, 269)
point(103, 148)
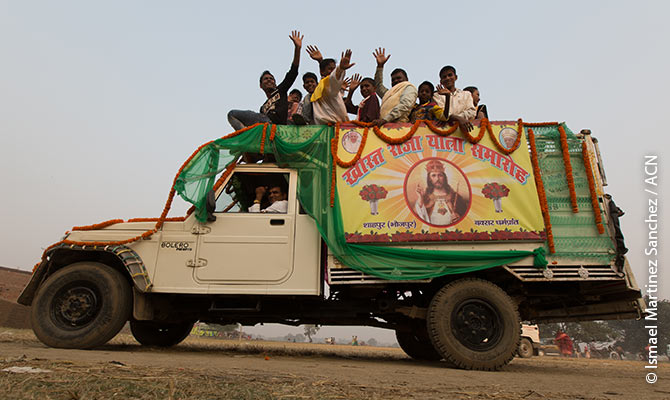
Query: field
point(226, 369)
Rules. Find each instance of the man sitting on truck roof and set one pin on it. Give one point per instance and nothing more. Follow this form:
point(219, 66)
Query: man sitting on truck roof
point(277, 197)
point(275, 108)
point(457, 104)
point(368, 109)
point(305, 116)
point(327, 102)
point(398, 101)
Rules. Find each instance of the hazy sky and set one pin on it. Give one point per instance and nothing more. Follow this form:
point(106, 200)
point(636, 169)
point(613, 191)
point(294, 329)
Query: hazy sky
point(100, 102)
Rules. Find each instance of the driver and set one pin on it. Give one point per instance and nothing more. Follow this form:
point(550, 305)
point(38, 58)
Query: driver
point(277, 197)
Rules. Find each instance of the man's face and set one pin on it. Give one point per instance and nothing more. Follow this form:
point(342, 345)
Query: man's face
point(509, 141)
point(309, 85)
point(475, 97)
point(438, 180)
point(268, 83)
point(293, 98)
point(448, 79)
point(367, 89)
point(425, 94)
point(397, 78)
point(328, 69)
point(276, 194)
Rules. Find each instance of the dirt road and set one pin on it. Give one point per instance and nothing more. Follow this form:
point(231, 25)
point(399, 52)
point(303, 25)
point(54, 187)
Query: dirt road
point(208, 368)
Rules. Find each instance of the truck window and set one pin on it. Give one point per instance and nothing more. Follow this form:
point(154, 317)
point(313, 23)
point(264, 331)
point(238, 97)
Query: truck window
point(239, 194)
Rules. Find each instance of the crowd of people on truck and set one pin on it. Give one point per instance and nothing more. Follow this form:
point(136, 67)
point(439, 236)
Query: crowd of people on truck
point(325, 102)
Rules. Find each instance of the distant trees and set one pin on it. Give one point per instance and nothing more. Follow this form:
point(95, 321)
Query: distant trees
point(311, 330)
point(297, 338)
point(372, 342)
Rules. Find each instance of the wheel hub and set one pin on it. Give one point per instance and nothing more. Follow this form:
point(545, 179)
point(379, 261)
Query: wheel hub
point(76, 306)
point(476, 324)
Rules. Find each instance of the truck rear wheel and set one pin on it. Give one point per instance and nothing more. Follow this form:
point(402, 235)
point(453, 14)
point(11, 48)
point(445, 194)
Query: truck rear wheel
point(150, 333)
point(474, 324)
point(525, 348)
point(81, 306)
point(414, 341)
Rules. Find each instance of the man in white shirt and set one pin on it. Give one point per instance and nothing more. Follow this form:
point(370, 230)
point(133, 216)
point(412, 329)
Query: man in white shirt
point(327, 102)
point(457, 104)
point(277, 197)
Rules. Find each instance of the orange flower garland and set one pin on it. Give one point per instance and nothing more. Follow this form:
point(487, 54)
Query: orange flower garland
point(542, 195)
point(97, 226)
point(442, 132)
point(592, 188)
point(273, 132)
point(159, 221)
point(399, 140)
point(265, 127)
point(495, 141)
point(568, 169)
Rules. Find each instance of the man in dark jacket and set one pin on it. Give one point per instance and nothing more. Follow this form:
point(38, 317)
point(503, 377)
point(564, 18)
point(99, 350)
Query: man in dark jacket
point(275, 108)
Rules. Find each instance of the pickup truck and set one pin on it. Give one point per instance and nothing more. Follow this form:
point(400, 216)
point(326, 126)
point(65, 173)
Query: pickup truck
point(516, 227)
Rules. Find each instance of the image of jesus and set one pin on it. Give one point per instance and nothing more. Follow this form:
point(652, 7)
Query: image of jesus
point(439, 203)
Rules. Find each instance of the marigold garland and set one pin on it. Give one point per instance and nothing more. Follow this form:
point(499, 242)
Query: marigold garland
point(399, 140)
point(159, 220)
point(101, 225)
point(265, 127)
point(540, 191)
point(334, 148)
point(500, 147)
point(273, 132)
point(592, 188)
point(442, 132)
point(568, 168)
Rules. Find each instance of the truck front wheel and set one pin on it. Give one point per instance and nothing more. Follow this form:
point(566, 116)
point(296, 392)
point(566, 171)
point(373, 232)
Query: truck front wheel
point(81, 306)
point(474, 324)
point(150, 333)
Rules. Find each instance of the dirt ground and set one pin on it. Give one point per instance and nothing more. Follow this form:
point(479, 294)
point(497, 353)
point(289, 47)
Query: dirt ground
point(224, 369)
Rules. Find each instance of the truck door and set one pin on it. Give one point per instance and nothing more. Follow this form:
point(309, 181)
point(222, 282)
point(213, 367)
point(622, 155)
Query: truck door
point(243, 247)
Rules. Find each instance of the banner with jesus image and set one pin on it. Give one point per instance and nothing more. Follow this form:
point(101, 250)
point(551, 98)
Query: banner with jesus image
point(437, 188)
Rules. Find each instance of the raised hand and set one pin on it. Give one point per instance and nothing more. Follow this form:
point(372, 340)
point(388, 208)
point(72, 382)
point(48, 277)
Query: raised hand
point(296, 38)
point(345, 84)
point(345, 60)
point(380, 56)
point(442, 90)
point(314, 53)
point(355, 82)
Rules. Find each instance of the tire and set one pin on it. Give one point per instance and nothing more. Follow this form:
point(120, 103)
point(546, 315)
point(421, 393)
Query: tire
point(525, 348)
point(81, 306)
point(149, 333)
point(474, 324)
point(414, 341)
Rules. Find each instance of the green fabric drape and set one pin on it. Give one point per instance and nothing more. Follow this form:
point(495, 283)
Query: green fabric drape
point(307, 150)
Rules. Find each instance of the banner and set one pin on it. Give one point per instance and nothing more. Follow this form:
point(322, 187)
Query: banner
point(437, 188)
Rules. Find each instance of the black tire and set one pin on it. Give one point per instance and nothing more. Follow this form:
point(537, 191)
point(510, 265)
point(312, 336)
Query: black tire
point(149, 333)
point(525, 348)
point(414, 341)
point(474, 324)
point(81, 306)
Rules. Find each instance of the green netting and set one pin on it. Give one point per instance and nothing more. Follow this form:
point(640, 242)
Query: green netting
point(575, 234)
point(307, 150)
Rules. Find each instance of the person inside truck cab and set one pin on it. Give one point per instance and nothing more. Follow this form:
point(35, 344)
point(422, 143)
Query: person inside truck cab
point(278, 200)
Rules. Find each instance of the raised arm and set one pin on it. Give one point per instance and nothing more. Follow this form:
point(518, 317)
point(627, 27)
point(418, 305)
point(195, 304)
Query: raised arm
point(353, 85)
point(314, 53)
point(345, 64)
point(381, 58)
point(296, 38)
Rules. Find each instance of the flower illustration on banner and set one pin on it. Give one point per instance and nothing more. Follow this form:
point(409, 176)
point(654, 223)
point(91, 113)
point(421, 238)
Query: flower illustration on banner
point(495, 192)
point(373, 193)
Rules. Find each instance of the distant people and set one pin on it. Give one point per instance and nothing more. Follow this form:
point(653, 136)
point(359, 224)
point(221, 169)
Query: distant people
point(457, 105)
point(481, 112)
point(294, 98)
point(368, 109)
point(305, 114)
point(427, 109)
point(327, 101)
point(398, 101)
point(278, 200)
point(275, 108)
point(564, 343)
